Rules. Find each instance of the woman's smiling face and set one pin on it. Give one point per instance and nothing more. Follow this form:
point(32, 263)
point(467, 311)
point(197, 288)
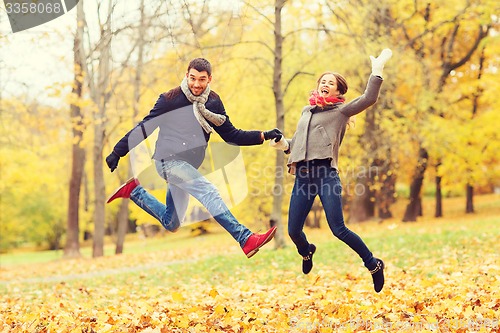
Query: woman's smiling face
point(327, 86)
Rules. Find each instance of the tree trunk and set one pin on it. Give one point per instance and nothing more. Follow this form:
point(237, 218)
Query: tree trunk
point(72, 247)
point(469, 205)
point(316, 211)
point(386, 194)
point(362, 206)
point(439, 197)
point(280, 123)
point(101, 96)
point(123, 213)
point(122, 227)
point(414, 207)
point(99, 191)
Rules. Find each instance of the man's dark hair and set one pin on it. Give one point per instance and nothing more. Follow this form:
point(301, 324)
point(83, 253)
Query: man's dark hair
point(201, 64)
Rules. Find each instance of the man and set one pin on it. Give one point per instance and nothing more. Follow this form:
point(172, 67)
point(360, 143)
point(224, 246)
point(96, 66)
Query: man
point(186, 116)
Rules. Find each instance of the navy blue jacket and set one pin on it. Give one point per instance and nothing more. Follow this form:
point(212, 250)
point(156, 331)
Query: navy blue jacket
point(180, 135)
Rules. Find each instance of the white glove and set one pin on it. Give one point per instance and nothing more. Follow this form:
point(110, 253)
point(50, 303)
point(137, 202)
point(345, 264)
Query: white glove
point(379, 62)
point(282, 144)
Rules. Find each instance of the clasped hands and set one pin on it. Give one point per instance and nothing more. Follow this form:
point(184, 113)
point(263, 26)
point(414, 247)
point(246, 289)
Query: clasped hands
point(277, 139)
point(280, 143)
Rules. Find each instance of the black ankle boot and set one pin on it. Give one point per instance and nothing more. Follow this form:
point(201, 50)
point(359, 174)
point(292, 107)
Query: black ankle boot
point(307, 261)
point(378, 276)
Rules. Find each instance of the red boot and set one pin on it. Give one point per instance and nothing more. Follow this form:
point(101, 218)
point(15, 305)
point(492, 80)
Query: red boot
point(124, 190)
point(256, 241)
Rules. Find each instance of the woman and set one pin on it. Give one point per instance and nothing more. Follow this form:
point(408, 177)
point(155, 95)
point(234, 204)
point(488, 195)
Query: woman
point(313, 159)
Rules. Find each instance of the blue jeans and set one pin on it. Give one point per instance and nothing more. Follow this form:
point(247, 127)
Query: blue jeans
point(184, 180)
point(323, 181)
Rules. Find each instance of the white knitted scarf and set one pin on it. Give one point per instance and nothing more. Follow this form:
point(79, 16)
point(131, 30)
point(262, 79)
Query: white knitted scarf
point(200, 112)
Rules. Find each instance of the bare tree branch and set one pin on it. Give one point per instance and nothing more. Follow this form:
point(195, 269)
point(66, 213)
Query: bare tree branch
point(247, 3)
point(294, 76)
point(448, 66)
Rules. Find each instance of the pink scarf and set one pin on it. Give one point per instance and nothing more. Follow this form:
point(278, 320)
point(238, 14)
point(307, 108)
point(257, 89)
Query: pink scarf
point(316, 99)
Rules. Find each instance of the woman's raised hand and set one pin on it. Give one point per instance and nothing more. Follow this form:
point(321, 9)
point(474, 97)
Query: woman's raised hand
point(379, 62)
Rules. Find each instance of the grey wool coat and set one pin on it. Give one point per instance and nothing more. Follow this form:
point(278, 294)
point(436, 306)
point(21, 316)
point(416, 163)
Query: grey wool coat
point(320, 132)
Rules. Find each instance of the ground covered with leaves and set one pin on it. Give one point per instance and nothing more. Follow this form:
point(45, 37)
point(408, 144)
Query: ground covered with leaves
point(441, 276)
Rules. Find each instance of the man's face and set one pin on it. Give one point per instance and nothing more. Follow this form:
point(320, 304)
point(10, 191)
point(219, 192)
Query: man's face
point(197, 81)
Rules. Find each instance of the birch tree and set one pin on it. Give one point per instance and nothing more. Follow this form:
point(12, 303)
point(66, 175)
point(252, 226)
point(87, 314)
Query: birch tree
point(123, 212)
point(98, 72)
point(72, 248)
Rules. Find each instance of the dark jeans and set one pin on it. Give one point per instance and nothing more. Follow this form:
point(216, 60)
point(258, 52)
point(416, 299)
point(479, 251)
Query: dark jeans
point(313, 179)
